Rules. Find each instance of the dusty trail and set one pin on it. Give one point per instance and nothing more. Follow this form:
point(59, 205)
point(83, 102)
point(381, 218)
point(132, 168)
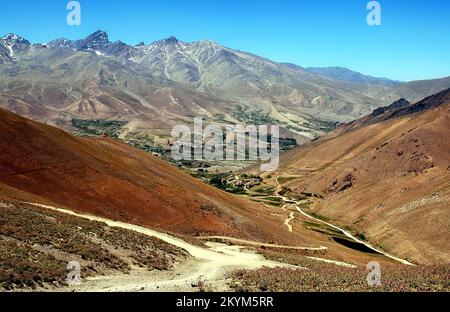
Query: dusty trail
point(346, 233)
point(211, 263)
point(289, 218)
point(251, 243)
point(288, 221)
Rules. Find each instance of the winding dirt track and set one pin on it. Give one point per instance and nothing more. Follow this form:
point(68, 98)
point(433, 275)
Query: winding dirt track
point(211, 264)
point(287, 222)
point(346, 233)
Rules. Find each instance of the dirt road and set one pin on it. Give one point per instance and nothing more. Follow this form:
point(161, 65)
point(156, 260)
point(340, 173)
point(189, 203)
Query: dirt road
point(211, 264)
point(346, 233)
point(257, 244)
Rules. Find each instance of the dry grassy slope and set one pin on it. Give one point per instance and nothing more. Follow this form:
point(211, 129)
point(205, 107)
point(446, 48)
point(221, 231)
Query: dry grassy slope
point(100, 176)
point(37, 244)
point(389, 180)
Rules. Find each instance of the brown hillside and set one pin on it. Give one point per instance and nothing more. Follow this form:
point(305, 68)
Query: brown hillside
point(389, 180)
point(43, 164)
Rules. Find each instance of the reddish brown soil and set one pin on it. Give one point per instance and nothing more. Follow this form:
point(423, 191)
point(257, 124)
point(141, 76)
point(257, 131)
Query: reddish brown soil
point(43, 164)
point(389, 180)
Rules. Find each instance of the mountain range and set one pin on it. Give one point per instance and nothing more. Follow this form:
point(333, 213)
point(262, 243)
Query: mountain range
point(154, 86)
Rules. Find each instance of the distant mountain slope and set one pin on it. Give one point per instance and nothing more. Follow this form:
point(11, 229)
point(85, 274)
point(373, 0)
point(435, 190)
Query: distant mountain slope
point(398, 109)
point(342, 73)
point(278, 89)
point(170, 81)
point(54, 85)
point(387, 176)
point(415, 90)
point(210, 68)
point(42, 164)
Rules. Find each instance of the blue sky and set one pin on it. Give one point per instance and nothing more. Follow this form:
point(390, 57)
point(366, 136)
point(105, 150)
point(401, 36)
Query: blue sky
point(412, 43)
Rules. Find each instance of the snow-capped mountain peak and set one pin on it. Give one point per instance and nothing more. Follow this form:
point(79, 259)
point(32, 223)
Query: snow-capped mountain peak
point(12, 39)
point(11, 45)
